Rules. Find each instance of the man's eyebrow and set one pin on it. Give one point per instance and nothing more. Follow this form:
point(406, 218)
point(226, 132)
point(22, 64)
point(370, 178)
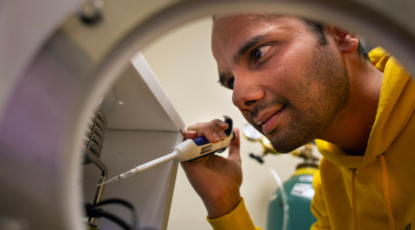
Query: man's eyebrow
point(247, 46)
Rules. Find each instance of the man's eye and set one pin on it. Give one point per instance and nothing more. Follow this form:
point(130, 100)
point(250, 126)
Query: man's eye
point(231, 83)
point(259, 52)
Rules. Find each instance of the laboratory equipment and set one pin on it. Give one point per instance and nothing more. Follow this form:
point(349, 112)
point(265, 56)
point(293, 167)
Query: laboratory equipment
point(142, 125)
point(95, 135)
point(291, 202)
point(95, 211)
point(54, 67)
point(188, 150)
point(253, 135)
point(92, 147)
point(298, 192)
point(284, 204)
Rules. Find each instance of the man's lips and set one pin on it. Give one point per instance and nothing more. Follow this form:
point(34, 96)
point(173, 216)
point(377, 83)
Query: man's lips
point(269, 124)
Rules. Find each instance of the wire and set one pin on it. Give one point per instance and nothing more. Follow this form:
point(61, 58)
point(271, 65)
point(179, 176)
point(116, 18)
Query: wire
point(282, 191)
point(283, 197)
point(95, 211)
point(126, 204)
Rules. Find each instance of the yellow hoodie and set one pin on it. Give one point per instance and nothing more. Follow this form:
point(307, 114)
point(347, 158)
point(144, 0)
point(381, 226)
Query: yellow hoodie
point(374, 191)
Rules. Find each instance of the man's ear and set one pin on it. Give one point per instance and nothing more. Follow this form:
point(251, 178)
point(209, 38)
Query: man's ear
point(346, 41)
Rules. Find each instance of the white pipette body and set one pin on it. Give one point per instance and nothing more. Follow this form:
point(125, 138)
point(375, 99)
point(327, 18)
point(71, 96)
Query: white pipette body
point(187, 150)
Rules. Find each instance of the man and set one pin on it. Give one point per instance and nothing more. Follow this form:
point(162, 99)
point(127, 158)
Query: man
point(295, 81)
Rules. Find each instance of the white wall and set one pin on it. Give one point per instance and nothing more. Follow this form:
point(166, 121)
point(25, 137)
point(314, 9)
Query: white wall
point(183, 63)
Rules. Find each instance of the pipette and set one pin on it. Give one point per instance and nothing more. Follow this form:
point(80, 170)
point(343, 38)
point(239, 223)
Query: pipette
point(188, 150)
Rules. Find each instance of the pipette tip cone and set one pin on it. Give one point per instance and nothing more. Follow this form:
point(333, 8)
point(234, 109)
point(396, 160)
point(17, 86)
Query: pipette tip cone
point(109, 181)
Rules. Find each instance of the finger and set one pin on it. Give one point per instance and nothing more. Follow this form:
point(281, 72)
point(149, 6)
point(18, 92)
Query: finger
point(223, 125)
point(189, 134)
point(201, 128)
point(213, 130)
point(196, 163)
point(218, 128)
point(208, 130)
point(211, 135)
point(195, 127)
point(234, 146)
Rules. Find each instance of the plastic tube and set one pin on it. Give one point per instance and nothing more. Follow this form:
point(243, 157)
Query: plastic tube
point(283, 197)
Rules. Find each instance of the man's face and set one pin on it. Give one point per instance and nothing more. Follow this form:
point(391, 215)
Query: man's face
point(284, 82)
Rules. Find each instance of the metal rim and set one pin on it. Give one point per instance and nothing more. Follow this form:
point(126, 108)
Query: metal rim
point(351, 15)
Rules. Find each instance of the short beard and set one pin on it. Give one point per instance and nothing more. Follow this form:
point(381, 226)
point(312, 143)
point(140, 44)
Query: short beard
point(329, 100)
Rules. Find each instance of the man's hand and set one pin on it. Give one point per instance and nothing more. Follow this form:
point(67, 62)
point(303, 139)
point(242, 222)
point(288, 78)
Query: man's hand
point(216, 179)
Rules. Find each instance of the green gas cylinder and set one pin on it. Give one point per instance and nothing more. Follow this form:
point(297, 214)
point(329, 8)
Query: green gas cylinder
point(299, 192)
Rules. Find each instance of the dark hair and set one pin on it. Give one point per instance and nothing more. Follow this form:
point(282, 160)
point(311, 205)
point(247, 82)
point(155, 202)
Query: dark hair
point(318, 29)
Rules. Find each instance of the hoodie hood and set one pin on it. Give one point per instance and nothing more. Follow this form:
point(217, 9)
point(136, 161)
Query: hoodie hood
point(395, 108)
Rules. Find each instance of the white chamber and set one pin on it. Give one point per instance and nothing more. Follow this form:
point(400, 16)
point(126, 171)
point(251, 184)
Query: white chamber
point(54, 69)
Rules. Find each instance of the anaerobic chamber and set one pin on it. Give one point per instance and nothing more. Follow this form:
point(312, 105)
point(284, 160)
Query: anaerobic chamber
point(61, 59)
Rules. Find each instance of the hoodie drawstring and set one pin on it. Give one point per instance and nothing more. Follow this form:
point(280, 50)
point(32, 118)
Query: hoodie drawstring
point(354, 201)
point(385, 195)
point(386, 192)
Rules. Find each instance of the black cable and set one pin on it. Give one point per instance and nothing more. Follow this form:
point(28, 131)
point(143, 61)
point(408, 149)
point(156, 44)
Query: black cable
point(126, 204)
point(116, 219)
point(95, 211)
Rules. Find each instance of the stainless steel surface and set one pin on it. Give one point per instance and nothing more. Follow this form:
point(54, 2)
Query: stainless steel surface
point(95, 135)
point(50, 83)
point(109, 181)
point(91, 156)
point(98, 194)
point(104, 174)
point(92, 149)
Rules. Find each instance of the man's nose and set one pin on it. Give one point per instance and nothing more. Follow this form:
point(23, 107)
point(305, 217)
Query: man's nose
point(247, 91)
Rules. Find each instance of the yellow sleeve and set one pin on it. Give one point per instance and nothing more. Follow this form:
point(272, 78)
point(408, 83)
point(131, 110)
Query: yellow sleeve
point(238, 219)
point(318, 207)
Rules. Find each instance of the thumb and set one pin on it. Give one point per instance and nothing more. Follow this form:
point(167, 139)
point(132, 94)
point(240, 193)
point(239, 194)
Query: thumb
point(234, 146)
point(189, 134)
